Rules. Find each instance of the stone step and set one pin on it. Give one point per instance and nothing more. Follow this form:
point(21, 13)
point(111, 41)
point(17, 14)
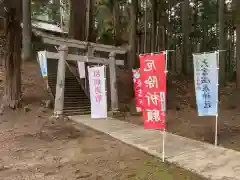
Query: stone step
point(76, 96)
point(68, 101)
point(86, 107)
point(74, 92)
point(75, 112)
point(80, 104)
point(77, 87)
point(78, 101)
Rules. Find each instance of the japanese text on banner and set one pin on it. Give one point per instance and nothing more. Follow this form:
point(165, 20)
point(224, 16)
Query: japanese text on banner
point(206, 83)
point(153, 79)
point(97, 86)
point(98, 92)
point(138, 89)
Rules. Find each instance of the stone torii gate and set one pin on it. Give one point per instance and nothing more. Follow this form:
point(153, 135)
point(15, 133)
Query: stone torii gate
point(89, 57)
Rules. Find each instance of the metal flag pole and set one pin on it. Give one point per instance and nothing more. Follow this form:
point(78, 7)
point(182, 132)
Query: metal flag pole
point(165, 107)
point(163, 145)
point(216, 120)
point(216, 131)
point(105, 81)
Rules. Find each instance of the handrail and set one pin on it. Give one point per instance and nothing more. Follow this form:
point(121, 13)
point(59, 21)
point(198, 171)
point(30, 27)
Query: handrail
point(78, 79)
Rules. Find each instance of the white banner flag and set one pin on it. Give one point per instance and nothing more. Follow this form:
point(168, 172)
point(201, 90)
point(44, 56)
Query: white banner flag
point(97, 86)
point(42, 59)
point(206, 83)
point(81, 69)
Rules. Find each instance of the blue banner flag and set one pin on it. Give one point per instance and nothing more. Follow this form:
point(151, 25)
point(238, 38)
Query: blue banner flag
point(206, 83)
point(42, 59)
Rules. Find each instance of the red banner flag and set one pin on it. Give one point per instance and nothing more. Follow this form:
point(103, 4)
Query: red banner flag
point(138, 89)
point(153, 78)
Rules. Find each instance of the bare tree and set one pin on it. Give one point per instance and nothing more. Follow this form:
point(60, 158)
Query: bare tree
point(12, 60)
point(90, 21)
point(132, 34)
point(186, 31)
point(236, 6)
point(154, 25)
point(221, 42)
point(27, 30)
point(77, 29)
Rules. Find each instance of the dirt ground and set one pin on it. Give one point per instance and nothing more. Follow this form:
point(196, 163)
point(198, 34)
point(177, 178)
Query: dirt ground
point(36, 147)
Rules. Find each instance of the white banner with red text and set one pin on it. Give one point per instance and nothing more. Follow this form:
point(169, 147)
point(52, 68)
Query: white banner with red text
point(98, 94)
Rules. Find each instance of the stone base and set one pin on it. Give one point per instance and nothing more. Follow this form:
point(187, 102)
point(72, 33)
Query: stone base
point(115, 114)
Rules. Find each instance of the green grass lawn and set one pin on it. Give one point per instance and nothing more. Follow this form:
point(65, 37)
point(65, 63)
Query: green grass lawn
point(157, 170)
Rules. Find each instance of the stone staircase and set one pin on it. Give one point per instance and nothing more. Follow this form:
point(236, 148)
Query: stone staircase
point(76, 102)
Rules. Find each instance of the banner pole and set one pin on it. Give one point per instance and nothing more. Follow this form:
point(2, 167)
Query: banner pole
point(163, 145)
point(216, 123)
point(164, 131)
point(216, 131)
point(166, 65)
point(105, 92)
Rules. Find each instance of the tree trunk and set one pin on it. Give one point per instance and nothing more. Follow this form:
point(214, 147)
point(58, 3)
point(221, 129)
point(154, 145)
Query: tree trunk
point(205, 38)
point(56, 16)
point(77, 28)
point(186, 28)
point(222, 67)
point(116, 24)
point(90, 21)
point(154, 25)
point(12, 61)
point(27, 30)
point(236, 5)
point(132, 37)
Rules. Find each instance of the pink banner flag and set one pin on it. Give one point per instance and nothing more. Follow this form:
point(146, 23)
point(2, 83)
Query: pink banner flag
point(138, 89)
point(153, 78)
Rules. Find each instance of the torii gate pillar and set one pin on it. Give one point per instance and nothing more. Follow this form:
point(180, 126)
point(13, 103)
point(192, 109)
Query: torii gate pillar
point(113, 82)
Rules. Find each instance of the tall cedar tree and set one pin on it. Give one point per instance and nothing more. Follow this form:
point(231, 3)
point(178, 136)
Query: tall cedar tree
point(12, 60)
